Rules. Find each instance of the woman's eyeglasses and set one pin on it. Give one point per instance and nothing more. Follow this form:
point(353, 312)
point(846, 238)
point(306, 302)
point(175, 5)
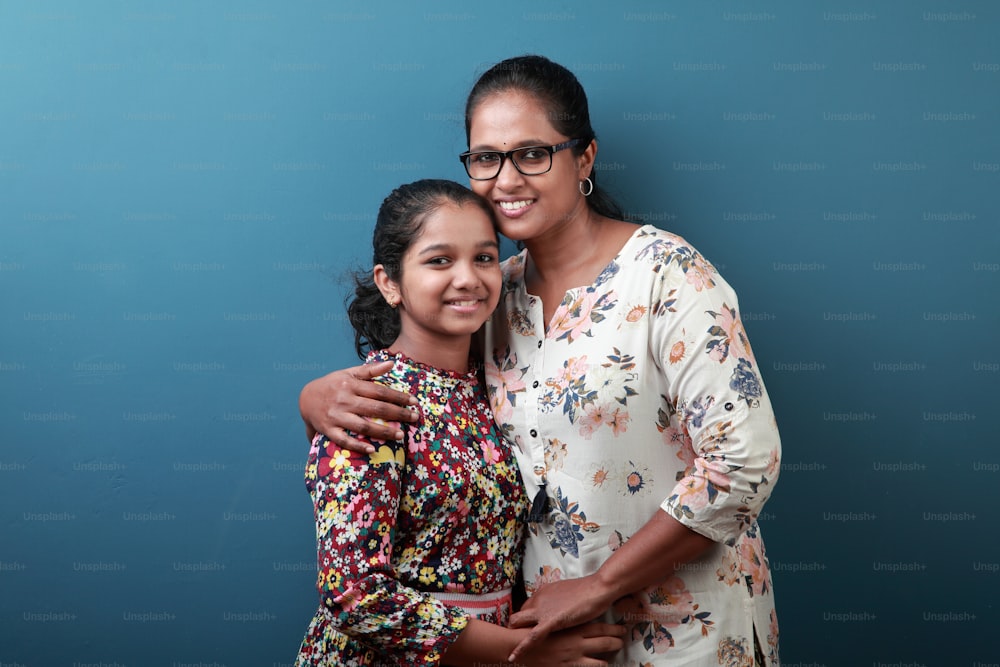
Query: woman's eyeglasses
point(530, 160)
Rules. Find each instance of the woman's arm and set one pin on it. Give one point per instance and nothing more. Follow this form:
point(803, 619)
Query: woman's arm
point(650, 556)
point(347, 400)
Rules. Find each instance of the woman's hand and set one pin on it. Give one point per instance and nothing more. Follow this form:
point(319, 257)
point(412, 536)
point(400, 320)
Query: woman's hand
point(347, 400)
point(651, 555)
point(553, 607)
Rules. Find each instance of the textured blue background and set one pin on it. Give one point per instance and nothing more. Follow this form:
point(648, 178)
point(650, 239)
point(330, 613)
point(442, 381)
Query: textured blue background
point(183, 185)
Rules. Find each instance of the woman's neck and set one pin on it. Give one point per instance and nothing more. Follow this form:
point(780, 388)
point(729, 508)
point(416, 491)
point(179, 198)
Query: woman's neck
point(565, 246)
point(575, 257)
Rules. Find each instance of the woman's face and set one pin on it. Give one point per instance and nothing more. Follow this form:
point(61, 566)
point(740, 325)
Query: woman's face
point(528, 207)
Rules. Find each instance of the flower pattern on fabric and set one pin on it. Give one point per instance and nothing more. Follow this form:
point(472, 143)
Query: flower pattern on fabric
point(664, 606)
point(555, 454)
point(730, 338)
point(625, 478)
point(593, 396)
point(568, 389)
point(643, 395)
point(439, 511)
point(735, 652)
point(510, 376)
point(546, 575)
point(772, 640)
point(566, 525)
point(745, 383)
point(578, 312)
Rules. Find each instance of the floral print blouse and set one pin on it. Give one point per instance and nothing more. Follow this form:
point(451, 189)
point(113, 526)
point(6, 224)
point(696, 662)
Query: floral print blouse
point(440, 512)
point(643, 394)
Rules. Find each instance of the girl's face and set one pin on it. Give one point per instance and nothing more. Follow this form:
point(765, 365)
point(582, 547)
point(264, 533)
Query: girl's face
point(528, 207)
point(450, 276)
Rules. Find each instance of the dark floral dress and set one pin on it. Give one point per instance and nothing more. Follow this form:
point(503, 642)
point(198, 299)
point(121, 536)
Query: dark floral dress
point(437, 515)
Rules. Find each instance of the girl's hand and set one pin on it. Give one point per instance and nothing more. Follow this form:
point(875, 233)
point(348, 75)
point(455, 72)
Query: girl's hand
point(347, 400)
point(587, 645)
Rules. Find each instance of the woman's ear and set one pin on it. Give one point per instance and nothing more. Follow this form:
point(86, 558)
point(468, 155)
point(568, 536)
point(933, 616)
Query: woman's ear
point(386, 285)
point(585, 161)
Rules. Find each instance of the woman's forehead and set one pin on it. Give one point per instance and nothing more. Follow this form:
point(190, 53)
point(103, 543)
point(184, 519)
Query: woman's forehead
point(510, 115)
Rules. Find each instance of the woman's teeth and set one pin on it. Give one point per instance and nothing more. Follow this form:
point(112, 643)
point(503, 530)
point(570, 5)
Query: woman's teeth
point(514, 205)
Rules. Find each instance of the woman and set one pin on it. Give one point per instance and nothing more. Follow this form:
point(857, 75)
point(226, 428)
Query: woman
point(418, 544)
point(618, 366)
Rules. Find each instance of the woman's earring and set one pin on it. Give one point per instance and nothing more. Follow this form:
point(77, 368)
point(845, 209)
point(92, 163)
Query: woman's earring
point(590, 186)
point(392, 302)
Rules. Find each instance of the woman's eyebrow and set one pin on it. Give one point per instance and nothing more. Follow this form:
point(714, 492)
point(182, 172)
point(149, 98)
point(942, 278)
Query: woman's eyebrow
point(484, 148)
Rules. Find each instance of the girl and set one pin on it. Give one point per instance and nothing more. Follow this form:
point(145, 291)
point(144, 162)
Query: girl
point(419, 543)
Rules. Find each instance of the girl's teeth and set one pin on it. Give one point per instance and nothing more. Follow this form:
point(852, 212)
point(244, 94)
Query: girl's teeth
point(513, 205)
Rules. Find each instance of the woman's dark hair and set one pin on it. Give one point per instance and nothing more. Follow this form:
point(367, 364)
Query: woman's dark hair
point(563, 98)
point(400, 222)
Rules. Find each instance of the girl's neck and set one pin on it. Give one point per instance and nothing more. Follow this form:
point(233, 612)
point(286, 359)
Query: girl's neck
point(445, 353)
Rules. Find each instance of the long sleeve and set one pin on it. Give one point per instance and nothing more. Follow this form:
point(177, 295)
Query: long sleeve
point(356, 500)
point(717, 407)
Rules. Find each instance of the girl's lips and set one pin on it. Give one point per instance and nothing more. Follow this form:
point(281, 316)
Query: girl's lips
point(466, 305)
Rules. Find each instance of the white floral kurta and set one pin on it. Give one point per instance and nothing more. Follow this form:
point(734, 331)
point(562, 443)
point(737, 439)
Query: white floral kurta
point(643, 393)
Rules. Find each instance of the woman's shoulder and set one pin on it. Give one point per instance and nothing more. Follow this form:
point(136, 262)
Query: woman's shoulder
point(669, 261)
point(649, 235)
point(652, 243)
point(512, 268)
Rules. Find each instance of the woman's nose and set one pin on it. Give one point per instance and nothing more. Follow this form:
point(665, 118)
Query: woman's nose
point(509, 176)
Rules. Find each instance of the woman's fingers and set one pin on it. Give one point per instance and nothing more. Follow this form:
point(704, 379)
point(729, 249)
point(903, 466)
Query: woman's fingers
point(348, 400)
point(341, 439)
point(370, 371)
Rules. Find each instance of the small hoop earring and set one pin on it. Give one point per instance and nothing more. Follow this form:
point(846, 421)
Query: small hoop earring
point(590, 186)
point(392, 303)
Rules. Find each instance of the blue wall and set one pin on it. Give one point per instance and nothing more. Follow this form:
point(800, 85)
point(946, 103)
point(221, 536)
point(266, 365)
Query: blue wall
point(183, 185)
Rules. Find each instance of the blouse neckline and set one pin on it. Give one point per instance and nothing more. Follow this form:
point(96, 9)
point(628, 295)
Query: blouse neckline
point(442, 373)
point(614, 260)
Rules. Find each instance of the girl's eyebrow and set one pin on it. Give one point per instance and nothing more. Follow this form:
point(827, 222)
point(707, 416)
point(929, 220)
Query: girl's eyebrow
point(438, 247)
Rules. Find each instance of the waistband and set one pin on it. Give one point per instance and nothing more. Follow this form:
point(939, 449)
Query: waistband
point(477, 605)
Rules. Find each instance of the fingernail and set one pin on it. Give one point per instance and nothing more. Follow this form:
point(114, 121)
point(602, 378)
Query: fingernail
point(398, 436)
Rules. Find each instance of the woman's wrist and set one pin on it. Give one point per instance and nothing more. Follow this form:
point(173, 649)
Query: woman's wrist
point(605, 585)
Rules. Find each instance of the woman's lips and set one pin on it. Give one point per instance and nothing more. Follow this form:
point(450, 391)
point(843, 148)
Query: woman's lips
point(514, 208)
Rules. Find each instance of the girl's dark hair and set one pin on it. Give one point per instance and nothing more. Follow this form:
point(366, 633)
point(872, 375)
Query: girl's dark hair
point(400, 222)
point(563, 98)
